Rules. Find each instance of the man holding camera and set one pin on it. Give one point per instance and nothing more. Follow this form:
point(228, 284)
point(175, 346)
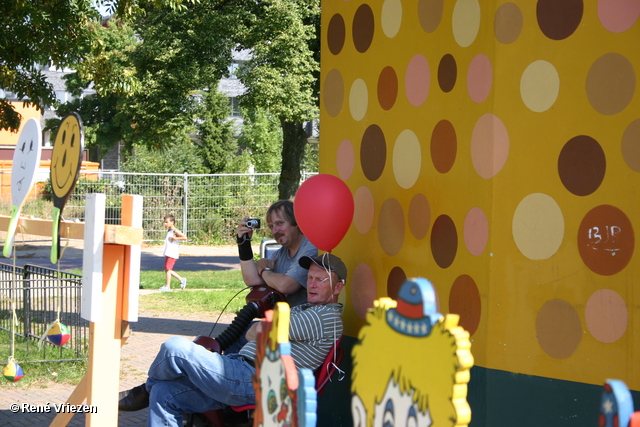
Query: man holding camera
point(281, 270)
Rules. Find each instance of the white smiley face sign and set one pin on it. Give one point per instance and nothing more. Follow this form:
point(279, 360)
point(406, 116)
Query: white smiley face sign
point(26, 159)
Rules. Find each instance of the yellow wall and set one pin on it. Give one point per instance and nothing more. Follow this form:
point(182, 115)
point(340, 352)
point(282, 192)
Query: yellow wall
point(494, 148)
point(11, 138)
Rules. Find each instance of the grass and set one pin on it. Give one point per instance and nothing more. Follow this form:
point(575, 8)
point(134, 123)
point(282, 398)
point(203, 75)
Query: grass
point(39, 374)
point(207, 291)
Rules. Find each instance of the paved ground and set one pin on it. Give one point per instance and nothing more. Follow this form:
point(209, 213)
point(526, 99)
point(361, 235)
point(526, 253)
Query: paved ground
point(147, 334)
point(192, 258)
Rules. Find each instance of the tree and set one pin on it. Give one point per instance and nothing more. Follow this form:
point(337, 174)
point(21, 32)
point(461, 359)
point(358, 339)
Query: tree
point(282, 74)
point(262, 136)
point(217, 146)
point(34, 34)
point(179, 156)
point(153, 79)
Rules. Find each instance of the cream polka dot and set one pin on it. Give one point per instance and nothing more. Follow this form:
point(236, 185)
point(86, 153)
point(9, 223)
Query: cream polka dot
point(538, 226)
point(358, 99)
point(407, 159)
point(539, 86)
point(391, 17)
point(466, 21)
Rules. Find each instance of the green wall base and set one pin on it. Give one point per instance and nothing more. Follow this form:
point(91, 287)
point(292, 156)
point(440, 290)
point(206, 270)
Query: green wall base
point(497, 398)
point(501, 398)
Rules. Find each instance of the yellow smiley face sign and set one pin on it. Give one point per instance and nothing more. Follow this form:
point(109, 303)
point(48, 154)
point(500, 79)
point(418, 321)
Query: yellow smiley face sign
point(67, 155)
point(65, 166)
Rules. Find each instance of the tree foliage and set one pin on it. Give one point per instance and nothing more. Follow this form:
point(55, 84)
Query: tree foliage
point(217, 145)
point(262, 136)
point(282, 74)
point(34, 34)
point(154, 58)
point(180, 156)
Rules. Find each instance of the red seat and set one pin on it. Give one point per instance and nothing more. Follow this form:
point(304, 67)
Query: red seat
point(323, 376)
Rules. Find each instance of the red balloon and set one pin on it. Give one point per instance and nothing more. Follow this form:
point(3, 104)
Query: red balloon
point(324, 210)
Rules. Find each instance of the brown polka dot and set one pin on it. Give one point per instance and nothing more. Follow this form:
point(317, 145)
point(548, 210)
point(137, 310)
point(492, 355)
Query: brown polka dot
point(611, 83)
point(336, 34)
point(558, 19)
point(373, 152)
point(419, 216)
point(363, 28)
point(396, 278)
point(606, 240)
point(558, 328)
point(508, 23)
point(447, 73)
point(391, 227)
point(631, 145)
point(430, 14)
point(333, 92)
point(387, 88)
point(464, 300)
point(444, 146)
point(582, 165)
point(444, 241)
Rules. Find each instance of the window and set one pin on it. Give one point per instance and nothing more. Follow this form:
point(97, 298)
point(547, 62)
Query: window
point(235, 107)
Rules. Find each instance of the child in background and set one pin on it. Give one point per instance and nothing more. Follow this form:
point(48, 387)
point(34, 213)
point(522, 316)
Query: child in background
point(171, 252)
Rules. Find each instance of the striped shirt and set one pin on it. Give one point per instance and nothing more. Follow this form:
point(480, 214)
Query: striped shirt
point(312, 331)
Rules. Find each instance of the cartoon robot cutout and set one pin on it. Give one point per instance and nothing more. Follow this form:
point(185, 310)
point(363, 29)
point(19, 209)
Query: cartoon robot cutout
point(421, 360)
point(278, 387)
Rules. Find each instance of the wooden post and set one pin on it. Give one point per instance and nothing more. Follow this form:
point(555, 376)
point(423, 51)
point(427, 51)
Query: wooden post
point(119, 263)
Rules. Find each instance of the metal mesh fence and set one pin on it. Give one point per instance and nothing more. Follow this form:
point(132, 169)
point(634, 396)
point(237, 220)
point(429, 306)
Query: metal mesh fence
point(41, 296)
point(206, 207)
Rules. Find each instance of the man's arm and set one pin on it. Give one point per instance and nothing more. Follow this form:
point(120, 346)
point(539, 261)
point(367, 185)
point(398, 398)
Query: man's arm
point(279, 281)
point(248, 267)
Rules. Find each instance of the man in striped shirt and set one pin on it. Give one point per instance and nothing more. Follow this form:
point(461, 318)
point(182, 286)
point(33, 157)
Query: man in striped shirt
point(187, 378)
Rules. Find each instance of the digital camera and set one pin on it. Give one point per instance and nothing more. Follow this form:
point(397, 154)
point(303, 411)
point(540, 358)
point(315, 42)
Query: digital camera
point(253, 223)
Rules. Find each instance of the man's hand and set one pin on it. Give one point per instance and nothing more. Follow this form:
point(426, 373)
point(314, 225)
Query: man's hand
point(263, 263)
point(253, 331)
point(243, 229)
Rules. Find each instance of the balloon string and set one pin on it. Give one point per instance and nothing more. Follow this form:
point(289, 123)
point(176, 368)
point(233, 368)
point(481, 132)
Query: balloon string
point(341, 373)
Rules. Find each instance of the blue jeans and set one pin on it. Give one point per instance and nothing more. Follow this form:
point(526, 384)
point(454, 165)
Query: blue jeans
point(187, 378)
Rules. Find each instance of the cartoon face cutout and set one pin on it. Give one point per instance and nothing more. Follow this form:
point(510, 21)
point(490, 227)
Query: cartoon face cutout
point(274, 395)
point(66, 155)
point(399, 409)
point(26, 159)
point(394, 409)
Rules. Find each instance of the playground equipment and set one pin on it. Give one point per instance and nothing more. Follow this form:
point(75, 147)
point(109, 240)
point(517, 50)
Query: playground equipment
point(111, 272)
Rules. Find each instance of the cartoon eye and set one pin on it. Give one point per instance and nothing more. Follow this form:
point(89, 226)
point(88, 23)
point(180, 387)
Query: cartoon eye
point(73, 140)
point(389, 416)
point(412, 417)
point(284, 391)
point(64, 137)
point(31, 146)
point(272, 402)
point(23, 146)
